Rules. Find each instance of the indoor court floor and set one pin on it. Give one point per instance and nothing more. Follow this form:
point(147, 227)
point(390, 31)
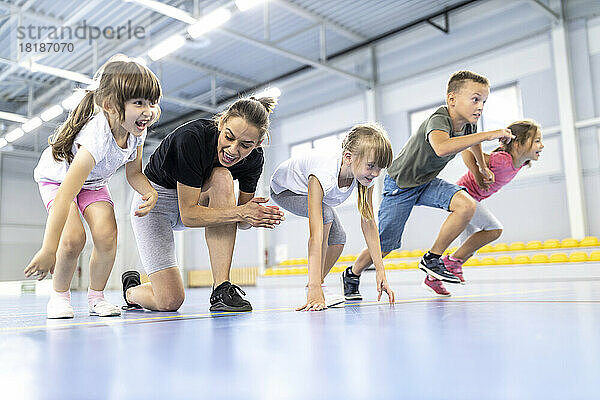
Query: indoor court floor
point(525, 332)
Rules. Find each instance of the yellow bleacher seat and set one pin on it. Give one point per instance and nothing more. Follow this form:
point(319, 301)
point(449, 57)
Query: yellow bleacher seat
point(589, 241)
point(578, 256)
point(534, 245)
point(521, 259)
point(393, 254)
point(451, 250)
point(498, 247)
point(404, 254)
point(559, 258)
point(472, 262)
point(540, 258)
point(488, 261)
point(551, 244)
point(516, 246)
point(569, 242)
point(594, 256)
point(417, 253)
point(486, 249)
point(504, 260)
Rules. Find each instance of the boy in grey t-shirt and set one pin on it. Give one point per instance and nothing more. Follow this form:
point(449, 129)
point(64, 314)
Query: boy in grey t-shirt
point(412, 179)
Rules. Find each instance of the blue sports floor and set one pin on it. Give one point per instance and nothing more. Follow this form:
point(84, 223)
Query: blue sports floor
point(510, 333)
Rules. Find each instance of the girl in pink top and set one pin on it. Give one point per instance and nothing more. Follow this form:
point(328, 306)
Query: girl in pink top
point(504, 162)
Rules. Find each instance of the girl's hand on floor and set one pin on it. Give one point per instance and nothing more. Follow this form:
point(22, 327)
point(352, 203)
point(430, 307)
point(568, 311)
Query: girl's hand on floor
point(315, 301)
point(384, 286)
point(39, 266)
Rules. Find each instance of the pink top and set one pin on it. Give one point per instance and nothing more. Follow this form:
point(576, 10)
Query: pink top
point(501, 164)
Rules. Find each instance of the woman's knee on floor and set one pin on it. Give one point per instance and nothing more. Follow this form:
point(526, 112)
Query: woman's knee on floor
point(171, 301)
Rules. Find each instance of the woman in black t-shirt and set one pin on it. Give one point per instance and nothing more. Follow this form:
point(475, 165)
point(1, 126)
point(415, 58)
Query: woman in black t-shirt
point(193, 170)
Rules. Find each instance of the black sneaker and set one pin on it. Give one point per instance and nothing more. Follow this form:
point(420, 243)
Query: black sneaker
point(435, 267)
point(226, 297)
point(130, 279)
point(350, 282)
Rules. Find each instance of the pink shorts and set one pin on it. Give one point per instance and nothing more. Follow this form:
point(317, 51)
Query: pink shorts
point(84, 198)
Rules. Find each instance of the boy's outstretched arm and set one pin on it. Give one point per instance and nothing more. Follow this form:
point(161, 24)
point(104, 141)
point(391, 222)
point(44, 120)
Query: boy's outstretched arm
point(444, 145)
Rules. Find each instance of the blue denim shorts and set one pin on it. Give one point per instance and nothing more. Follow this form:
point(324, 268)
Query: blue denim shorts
point(397, 204)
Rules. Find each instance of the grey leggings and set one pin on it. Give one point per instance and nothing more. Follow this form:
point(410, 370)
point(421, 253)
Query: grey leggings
point(298, 204)
point(154, 232)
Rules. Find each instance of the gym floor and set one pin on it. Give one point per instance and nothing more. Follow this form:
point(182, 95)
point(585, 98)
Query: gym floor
point(511, 333)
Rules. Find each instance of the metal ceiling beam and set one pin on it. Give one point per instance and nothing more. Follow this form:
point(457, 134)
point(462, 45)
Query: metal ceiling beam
point(294, 56)
point(553, 14)
point(190, 104)
point(332, 25)
point(31, 14)
point(210, 70)
point(445, 28)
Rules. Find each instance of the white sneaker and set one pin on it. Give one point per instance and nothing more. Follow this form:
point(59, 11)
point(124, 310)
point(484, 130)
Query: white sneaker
point(332, 297)
point(103, 308)
point(59, 307)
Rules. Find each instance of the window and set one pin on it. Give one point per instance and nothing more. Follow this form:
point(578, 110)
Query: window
point(331, 142)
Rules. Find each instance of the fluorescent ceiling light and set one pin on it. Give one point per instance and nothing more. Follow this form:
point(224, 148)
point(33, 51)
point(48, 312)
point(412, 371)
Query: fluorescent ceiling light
point(73, 100)
point(165, 9)
point(165, 47)
point(62, 73)
point(209, 22)
point(51, 113)
point(12, 117)
point(14, 135)
point(3, 142)
point(244, 5)
point(269, 92)
point(32, 124)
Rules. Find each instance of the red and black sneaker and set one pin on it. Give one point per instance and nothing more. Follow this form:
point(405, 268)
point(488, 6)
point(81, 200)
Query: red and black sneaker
point(435, 286)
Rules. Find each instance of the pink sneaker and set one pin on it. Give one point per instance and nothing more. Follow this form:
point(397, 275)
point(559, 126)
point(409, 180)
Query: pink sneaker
point(454, 265)
point(436, 286)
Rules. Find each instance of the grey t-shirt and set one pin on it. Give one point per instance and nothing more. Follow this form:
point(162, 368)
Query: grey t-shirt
point(417, 162)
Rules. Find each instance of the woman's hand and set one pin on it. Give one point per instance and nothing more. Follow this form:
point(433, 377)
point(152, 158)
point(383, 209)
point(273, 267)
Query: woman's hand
point(150, 199)
point(259, 216)
point(384, 286)
point(315, 301)
point(41, 263)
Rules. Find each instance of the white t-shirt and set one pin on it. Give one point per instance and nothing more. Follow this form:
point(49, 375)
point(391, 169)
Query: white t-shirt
point(293, 175)
point(98, 139)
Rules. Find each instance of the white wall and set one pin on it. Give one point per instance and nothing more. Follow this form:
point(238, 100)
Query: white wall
point(533, 207)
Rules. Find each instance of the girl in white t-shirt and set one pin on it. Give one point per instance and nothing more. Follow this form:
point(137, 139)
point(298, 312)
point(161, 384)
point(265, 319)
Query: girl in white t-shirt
point(312, 184)
point(105, 131)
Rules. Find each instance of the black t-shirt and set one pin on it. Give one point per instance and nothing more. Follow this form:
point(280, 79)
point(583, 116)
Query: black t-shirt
point(187, 155)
